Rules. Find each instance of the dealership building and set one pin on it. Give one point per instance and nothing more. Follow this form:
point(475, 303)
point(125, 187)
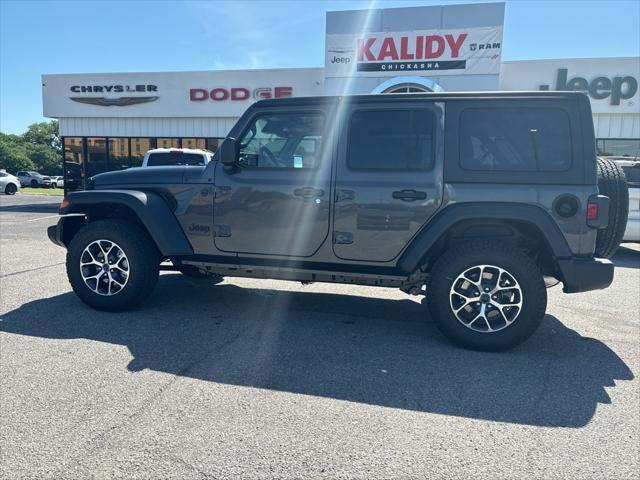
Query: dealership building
point(109, 120)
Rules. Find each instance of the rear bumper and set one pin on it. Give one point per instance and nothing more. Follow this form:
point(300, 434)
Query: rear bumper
point(584, 274)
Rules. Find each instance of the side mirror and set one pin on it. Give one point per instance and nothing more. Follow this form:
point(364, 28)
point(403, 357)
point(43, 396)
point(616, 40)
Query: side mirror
point(229, 152)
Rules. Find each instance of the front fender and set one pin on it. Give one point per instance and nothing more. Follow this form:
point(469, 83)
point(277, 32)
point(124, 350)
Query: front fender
point(150, 208)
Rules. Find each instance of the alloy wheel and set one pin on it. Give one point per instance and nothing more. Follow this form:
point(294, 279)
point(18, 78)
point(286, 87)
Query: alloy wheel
point(104, 267)
point(486, 298)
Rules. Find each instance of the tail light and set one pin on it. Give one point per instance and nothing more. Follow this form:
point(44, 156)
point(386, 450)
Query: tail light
point(598, 211)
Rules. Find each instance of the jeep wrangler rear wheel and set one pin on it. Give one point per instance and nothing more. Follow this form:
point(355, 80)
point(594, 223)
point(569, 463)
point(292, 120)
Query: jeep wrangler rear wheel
point(112, 265)
point(486, 295)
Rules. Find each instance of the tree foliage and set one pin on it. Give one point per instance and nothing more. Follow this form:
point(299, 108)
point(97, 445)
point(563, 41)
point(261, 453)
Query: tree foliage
point(39, 149)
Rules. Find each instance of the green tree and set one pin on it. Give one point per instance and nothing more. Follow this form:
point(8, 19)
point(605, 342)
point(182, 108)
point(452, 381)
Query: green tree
point(13, 156)
point(45, 158)
point(44, 133)
point(39, 148)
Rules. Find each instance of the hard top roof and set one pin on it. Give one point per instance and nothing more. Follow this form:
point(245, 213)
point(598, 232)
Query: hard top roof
point(399, 97)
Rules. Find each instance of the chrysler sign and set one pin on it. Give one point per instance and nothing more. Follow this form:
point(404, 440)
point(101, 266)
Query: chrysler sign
point(122, 101)
point(451, 51)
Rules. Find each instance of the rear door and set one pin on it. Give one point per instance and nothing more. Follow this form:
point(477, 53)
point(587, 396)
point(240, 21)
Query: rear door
point(389, 177)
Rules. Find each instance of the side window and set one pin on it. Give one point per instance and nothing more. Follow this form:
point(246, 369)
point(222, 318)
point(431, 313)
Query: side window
point(288, 140)
point(391, 140)
point(515, 139)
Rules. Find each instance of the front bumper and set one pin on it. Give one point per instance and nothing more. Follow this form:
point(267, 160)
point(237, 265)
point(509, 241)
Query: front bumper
point(584, 274)
point(54, 234)
point(62, 233)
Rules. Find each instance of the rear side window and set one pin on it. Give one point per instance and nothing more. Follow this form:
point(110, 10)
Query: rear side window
point(177, 158)
point(515, 139)
point(391, 140)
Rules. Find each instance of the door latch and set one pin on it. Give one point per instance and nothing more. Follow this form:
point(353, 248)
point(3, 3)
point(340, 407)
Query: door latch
point(343, 238)
point(343, 195)
point(221, 231)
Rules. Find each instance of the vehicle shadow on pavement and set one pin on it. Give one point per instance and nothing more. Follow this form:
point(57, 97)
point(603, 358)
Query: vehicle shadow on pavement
point(48, 207)
point(627, 258)
point(375, 351)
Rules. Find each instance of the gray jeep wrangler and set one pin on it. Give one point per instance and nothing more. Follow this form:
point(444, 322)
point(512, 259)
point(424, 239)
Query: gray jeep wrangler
point(476, 200)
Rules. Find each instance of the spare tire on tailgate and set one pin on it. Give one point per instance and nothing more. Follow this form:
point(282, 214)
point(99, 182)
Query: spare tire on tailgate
point(613, 184)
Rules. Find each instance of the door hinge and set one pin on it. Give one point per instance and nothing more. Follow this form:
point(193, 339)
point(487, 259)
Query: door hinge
point(343, 195)
point(221, 231)
point(344, 238)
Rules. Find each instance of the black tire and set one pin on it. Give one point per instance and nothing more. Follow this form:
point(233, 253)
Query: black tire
point(486, 252)
point(143, 258)
point(10, 189)
point(613, 184)
point(34, 184)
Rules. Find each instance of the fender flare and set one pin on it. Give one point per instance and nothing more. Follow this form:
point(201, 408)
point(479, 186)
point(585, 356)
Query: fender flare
point(151, 209)
point(447, 217)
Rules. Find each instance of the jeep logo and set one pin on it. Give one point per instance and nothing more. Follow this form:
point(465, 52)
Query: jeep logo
point(617, 88)
point(199, 229)
point(345, 60)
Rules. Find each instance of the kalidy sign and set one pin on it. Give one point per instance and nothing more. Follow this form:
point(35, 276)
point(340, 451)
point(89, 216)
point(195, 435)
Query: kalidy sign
point(444, 52)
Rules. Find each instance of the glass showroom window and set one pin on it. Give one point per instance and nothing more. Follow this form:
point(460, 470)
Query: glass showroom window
point(619, 147)
point(118, 153)
point(212, 144)
point(139, 147)
point(73, 162)
point(167, 143)
point(96, 156)
point(193, 143)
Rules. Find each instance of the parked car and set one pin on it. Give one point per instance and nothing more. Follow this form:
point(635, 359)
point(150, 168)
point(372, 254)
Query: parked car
point(160, 157)
point(9, 184)
point(57, 182)
point(33, 179)
point(472, 199)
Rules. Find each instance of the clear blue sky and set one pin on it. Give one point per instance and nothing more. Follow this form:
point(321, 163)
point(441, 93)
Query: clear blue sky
point(39, 37)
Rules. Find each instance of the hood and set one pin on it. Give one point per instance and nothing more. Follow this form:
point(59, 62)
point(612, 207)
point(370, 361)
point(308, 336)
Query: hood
point(143, 175)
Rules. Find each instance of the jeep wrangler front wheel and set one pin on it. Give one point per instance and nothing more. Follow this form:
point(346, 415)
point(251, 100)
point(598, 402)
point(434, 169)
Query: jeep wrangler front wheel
point(112, 265)
point(486, 295)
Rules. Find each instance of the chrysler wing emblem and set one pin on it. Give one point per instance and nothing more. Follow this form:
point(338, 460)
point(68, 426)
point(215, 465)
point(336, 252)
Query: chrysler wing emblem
point(113, 102)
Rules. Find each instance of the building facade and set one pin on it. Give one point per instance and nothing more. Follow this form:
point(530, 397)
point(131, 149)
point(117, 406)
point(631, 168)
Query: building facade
point(108, 121)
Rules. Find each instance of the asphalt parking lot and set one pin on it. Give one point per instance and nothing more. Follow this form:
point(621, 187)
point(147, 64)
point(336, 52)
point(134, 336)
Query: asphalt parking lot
point(262, 379)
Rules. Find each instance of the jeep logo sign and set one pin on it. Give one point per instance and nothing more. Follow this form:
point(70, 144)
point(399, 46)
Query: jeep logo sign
point(599, 88)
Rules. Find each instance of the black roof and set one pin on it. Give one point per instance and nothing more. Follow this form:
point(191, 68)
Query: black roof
point(373, 98)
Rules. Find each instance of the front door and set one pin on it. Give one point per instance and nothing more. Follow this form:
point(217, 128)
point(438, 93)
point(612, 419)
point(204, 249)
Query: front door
point(389, 177)
point(277, 199)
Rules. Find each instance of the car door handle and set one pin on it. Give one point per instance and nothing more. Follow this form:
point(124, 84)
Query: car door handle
point(308, 192)
point(409, 195)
